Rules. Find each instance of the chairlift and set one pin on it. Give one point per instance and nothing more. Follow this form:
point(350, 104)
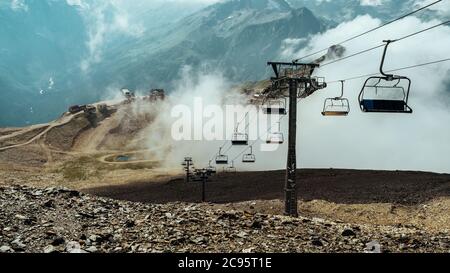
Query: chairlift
point(387, 93)
point(210, 169)
point(275, 107)
point(239, 139)
point(276, 137)
point(338, 106)
point(250, 157)
point(231, 169)
point(221, 159)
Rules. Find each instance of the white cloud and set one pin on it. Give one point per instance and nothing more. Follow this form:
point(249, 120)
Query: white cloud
point(442, 8)
point(105, 19)
point(290, 46)
point(18, 5)
point(372, 2)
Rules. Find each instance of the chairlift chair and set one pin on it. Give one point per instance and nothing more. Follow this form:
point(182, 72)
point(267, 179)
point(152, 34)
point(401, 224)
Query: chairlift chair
point(239, 138)
point(387, 93)
point(210, 169)
point(276, 137)
point(275, 107)
point(250, 157)
point(221, 159)
point(338, 106)
point(231, 169)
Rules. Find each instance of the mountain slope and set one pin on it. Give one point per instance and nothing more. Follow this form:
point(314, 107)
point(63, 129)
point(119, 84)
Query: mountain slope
point(39, 47)
point(236, 37)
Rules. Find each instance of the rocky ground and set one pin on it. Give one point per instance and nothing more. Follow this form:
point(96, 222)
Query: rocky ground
point(61, 220)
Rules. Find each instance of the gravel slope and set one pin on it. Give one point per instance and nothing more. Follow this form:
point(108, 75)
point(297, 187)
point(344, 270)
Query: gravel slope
point(61, 220)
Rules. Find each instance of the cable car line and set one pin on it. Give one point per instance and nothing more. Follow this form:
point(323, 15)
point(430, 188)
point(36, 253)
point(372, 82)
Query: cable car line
point(392, 70)
point(382, 45)
point(371, 30)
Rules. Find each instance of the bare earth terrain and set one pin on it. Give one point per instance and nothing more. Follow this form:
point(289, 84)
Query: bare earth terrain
point(341, 210)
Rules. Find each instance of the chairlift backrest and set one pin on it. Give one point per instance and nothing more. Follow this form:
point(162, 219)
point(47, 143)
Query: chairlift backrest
point(275, 107)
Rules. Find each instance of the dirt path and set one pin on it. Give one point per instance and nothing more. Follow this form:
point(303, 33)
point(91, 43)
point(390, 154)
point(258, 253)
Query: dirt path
point(90, 140)
point(19, 132)
point(57, 123)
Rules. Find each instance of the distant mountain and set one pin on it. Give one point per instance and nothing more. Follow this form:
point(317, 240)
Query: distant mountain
point(339, 11)
point(39, 43)
point(237, 37)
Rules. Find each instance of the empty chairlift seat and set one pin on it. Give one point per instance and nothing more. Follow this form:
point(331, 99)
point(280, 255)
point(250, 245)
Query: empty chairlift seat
point(275, 137)
point(239, 139)
point(275, 107)
point(231, 169)
point(221, 159)
point(250, 157)
point(387, 93)
point(210, 169)
point(338, 106)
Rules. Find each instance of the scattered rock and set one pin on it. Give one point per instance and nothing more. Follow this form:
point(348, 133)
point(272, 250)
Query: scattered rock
point(20, 217)
point(348, 233)
point(199, 240)
point(248, 250)
point(49, 204)
point(88, 224)
point(317, 242)
point(94, 238)
point(228, 216)
point(256, 225)
point(92, 249)
point(17, 245)
point(58, 241)
point(373, 247)
point(74, 247)
point(130, 223)
point(6, 249)
point(49, 249)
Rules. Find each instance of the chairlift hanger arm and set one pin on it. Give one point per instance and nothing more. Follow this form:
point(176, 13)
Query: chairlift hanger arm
point(388, 42)
point(342, 89)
